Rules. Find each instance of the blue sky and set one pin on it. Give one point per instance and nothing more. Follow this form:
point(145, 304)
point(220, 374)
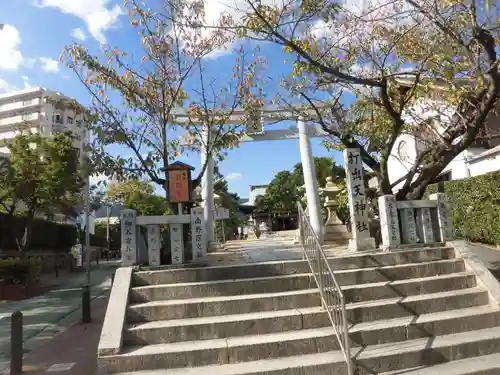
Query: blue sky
point(37, 30)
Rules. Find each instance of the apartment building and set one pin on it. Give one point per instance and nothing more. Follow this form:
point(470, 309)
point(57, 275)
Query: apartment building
point(39, 110)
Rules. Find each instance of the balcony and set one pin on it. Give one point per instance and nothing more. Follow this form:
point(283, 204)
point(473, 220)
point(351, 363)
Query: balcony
point(15, 121)
point(29, 104)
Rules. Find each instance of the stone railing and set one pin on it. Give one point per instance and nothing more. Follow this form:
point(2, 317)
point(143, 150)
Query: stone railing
point(415, 222)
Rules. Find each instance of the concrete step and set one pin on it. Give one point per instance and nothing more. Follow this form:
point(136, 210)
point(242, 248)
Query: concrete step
point(271, 284)
point(223, 326)
point(482, 365)
point(431, 351)
point(263, 269)
point(222, 351)
point(404, 288)
point(425, 325)
point(399, 272)
point(327, 363)
point(275, 284)
point(368, 333)
point(225, 305)
point(416, 305)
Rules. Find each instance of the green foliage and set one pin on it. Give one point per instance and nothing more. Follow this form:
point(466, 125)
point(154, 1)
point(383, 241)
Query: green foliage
point(138, 195)
point(282, 193)
point(18, 271)
point(230, 201)
point(476, 207)
point(42, 176)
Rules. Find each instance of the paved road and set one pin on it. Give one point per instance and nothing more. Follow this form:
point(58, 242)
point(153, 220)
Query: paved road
point(49, 314)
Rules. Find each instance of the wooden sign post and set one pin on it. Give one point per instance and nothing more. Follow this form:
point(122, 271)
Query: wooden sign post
point(179, 191)
point(179, 182)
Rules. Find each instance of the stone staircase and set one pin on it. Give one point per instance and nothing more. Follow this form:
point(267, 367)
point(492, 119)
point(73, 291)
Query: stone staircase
point(417, 311)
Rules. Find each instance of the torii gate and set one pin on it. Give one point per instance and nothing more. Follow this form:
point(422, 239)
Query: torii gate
point(256, 133)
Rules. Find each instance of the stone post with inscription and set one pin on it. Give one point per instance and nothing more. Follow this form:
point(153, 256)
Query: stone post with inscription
point(424, 225)
point(129, 239)
point(408, 226)
point(154, 245)
point(444, 217)
point(176, 244)
point(198, 234)
point(389, 222)
point(358, 207)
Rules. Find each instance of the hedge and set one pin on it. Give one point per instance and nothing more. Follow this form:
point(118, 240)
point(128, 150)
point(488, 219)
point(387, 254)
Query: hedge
point(45, 235)
point(476, 207)
point(18, 271)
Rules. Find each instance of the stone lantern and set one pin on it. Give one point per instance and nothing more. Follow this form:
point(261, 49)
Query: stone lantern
point(330, 192)
point(336, 233)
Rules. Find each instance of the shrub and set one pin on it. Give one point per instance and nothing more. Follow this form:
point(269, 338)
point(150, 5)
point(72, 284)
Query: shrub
point(18, 271)
point(476, 207)
point(45, 235)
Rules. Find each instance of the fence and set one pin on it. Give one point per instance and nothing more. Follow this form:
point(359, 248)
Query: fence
point(331, 295)
point(412, 222)
point(137, 250)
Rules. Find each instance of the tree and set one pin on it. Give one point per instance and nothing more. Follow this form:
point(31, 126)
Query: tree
point(151, 89)
point(230, 201)
point(137, 195)
point(389, 58)
point(42, 176)
point(282, 193)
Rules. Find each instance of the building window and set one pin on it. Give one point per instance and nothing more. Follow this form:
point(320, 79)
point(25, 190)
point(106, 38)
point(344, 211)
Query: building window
point(70, 120)
point(27, 102)
point(57, 118)
point(26, 116)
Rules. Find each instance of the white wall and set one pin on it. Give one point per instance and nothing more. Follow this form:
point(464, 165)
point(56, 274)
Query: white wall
point(488, 162)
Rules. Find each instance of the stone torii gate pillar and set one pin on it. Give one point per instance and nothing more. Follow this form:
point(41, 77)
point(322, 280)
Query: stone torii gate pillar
point(311, 184)
point(207, 187)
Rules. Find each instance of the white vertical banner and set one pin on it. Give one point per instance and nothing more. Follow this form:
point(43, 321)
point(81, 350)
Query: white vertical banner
point(129, 239)
point(198, 234)
point(154, 245)
point(176, 244)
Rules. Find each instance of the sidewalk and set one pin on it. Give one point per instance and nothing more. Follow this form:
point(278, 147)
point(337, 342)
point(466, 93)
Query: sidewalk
point(47, 315)
point(66, 355)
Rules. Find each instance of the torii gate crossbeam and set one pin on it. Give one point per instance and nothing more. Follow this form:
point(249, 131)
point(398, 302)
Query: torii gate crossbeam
point(304, 132)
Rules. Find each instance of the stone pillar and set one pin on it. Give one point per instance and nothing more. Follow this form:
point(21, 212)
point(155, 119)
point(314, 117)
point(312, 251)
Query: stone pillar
point(389, 222)
point(424, 225)
point(311, 184)
point(154, 245)
point(129, 237)
point(408, 226)
point(198, 234)
point(176, 244)
point(444, 217)
point(358, 207)
point(207, 187)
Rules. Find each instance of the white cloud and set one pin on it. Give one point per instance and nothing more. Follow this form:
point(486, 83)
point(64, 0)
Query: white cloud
point(233, 176)
point(26, 82)
point(49, 65)
point(96, 14)
point(213, 10)
point(10, 56)
point(6, 86)
point(79, 34)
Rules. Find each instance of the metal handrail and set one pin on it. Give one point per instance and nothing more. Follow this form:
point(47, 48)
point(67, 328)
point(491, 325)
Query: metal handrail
point(331, 294)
